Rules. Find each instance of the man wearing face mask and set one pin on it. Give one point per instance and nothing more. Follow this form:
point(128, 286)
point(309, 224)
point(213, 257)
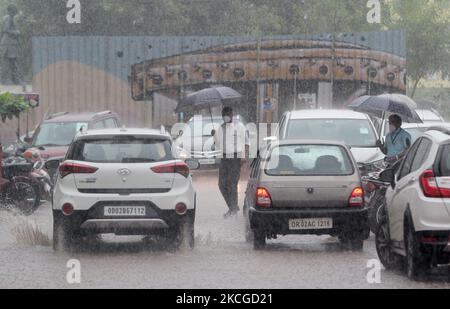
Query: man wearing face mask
point(397, 141)
point(232, 139)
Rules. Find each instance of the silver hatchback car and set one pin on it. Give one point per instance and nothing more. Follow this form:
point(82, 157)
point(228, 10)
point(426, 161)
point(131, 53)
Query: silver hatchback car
point(306, 187)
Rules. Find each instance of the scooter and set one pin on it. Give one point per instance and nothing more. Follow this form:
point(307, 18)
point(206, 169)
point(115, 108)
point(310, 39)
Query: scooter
point(376, 204)
point(17, 190)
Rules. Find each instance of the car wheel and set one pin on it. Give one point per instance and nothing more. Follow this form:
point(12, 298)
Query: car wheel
point(353, 242)
point(416, 264)
point(249, 235)
point(63, 238)
point(357, 245)
point(259, 240)
point(184, 237)
point(376, 212)
point(383, 244)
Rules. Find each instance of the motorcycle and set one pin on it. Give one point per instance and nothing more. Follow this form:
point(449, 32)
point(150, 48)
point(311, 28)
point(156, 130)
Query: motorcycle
point(17, 190)
point(376, 203)
point(375, 190)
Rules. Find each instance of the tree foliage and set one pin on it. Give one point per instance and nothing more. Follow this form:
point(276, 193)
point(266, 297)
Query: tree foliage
point(426, 21)
point(12, 106)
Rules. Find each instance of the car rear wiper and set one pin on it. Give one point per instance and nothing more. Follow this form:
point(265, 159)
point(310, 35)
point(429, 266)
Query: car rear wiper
point(137, 160)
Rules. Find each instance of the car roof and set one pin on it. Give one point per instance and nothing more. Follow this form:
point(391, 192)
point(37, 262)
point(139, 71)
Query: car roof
point(309, 142)
point(123, 132)
point(327, 114)
point(407, 125)
point(77, 117)
point(299, 142)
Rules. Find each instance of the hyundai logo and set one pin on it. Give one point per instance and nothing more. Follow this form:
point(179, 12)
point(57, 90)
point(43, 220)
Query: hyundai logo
point(124, 172)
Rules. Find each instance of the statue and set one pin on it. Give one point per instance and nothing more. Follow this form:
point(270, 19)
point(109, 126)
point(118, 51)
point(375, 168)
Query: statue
point(9, 48)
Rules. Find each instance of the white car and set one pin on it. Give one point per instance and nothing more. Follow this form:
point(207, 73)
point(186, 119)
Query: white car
point(355, 129)
point(414, 129)
point(416, 226)
point(125, 182)
point(430, 115)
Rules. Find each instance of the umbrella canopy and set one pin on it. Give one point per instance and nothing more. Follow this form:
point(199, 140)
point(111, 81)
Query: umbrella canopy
point(208, 98)
point(384, 104)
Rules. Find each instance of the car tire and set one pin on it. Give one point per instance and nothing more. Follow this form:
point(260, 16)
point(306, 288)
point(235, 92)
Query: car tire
point(64, 239)
point(249, 235)
point(383, 244)
point(357, 245)
point(415, 263)
point(184, 236)
point(353, 243)
point(259, 240)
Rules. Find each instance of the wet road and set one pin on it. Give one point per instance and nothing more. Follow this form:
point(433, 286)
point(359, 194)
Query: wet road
point(221, 259)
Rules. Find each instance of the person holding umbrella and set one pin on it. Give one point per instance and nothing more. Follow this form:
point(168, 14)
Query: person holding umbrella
point(397, 141)
point(232, 139)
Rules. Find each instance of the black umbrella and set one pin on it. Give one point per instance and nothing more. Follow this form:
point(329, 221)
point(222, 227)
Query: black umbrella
point(385, 104)
point(208, 98)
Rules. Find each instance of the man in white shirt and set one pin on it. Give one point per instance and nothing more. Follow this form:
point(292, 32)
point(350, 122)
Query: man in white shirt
point(232, 140)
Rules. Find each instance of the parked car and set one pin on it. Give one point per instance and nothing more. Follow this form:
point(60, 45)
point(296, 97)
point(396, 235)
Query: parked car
point(415, 129)
point(53, 137)
point(416, 225)
point(430, 115)
point(355, 129)
point(126, 182)
point(195, 140)
point(306, 187)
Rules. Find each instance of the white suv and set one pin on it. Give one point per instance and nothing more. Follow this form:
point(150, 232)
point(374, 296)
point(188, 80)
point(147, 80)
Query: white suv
point(416, 225)
point(125, 182)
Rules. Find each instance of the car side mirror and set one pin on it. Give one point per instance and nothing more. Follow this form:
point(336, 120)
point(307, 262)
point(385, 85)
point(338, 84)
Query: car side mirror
point(388, 176)
point(192, 164)
point(28, 140)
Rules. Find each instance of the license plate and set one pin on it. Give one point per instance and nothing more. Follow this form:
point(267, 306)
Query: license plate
point(310, 224)
point(207, 161)
point(124, 211)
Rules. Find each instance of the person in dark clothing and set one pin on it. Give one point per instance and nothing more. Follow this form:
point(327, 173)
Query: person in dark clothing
point(232, 139)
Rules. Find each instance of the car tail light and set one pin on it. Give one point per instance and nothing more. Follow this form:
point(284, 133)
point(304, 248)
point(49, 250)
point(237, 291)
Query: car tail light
point(430, 187)
point(181, 209)
point(429, 239)
point(67, 209)
point(75, 168)
point(357, 197)
point(263, 198)
point(177, 168)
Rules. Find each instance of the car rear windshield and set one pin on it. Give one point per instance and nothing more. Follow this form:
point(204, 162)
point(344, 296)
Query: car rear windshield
point(353, 132)
point(309, 160)
point(444, 164)
point(122, 150)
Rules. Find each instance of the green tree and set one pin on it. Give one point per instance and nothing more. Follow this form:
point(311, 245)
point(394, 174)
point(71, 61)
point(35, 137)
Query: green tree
point(427, 24)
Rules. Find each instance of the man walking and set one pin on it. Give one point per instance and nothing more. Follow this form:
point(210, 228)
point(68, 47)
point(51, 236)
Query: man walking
point(397, 142)
point(232, 140)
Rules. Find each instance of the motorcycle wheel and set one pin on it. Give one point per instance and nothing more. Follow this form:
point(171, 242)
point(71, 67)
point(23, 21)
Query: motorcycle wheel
point(27, 198)
point(376, 210)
